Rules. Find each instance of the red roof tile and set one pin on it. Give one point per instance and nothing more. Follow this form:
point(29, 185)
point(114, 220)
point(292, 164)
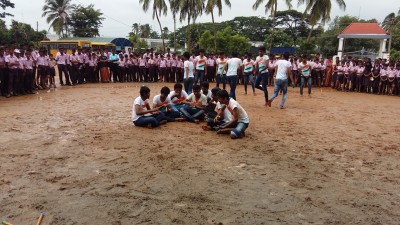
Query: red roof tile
point(363, 28)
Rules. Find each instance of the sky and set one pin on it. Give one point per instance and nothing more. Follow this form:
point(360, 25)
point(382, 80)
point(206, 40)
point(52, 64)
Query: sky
point(121, 14)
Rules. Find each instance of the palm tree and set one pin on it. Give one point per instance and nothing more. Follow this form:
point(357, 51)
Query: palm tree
point(211, 4)
point(190, 10)
point(319, 10)
point(174, 5)
point(390, 23)
point(272, 7)
point(135, 29)
point(57, 12)
point(159, 7)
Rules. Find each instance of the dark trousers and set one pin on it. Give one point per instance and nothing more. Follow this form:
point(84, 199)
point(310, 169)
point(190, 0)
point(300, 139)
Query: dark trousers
point(63, 69)
point(172, 75)
point(262, 79)
point(74, 73)
point(210, 73)
point(114, 71)
point(12, 79)
point(153, 74)
point(3, 81)
point(121, 74)
point(179, 75)
point(28, 81)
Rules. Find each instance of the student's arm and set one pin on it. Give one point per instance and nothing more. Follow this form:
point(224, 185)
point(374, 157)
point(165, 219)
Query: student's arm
point(234, 120)
point(139, 110)
point(220, 113)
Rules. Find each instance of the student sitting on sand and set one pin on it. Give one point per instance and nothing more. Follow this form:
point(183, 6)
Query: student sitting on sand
point(177, 97)
point(143, 115)
point(221, 114)
point(239, 122)
point(195, 104)
point(162, 100)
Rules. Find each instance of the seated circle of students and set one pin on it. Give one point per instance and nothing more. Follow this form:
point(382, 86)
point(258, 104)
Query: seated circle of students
point(143, 115)
point(239, 121)
point(195, 105)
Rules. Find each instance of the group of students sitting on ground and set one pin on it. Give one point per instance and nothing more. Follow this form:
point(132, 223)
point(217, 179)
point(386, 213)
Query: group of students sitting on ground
point(222, 113)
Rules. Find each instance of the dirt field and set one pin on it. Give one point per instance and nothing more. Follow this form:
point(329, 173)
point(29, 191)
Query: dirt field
point(74, 154)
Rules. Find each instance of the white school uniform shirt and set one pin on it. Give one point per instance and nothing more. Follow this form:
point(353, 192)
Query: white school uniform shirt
point(61, 59)
point(21, 63)
point(184, 95)
point(248, 65)
point(157, 100)
point(227, 113)
point(188, 64)
point(28, 64)
point(233, 65)
point(201, 63)
point(282, 67)
point(121, 62)
point(10, 59)
point(202, 99)
point(262, 63)
point(243, 117)
point(209, 93)
point(138, 101)
point(305, 69)
point(221, 64)
point(391, 73)
point(339, 69)
point(360, 70)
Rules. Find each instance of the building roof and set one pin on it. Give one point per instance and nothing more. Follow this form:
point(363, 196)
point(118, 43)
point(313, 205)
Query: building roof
point(119, 42)
point(364, 30)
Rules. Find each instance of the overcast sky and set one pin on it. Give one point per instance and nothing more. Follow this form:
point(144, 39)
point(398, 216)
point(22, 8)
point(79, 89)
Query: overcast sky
point(121, 14)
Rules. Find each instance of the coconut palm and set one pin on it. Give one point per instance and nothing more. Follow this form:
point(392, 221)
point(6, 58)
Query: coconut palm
point(135, 29)
point(319, 10)
point(159, 7)
point(271, 6)
point(390, 23)
point(174, 6)
point(190, 10)
point(211, 4)
point(57, 12)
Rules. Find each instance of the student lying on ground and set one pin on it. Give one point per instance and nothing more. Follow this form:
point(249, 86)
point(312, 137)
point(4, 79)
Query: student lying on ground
point(195, 104)
point(239, 121)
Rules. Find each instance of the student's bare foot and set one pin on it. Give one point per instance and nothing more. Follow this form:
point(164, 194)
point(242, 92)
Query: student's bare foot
point(149, 126)
point(196, 121)
point(180, 119)
point(224, 131)
point(282, 107)
point(254, 94)
point(233, 136)
point(162, 122)
point(206, 128)
point(269, 102)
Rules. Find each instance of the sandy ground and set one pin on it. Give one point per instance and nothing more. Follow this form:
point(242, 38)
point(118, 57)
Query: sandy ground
point(74, 154)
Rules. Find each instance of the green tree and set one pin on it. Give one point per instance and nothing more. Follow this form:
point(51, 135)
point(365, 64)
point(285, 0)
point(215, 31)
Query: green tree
point(293, 23)
point(135, 28)
point(320, 10)
point(6, 4)
point(165, 32)
point(211, 4)
point(57, 12)
point(190, 10)
point(86, 21)
point(280, 39)
point(228, 41)
point(174, 6)
point(139, 44)
point(159, 7)
point(272, 7)
point(390, 22)
point(253, 28)
point(145, 30)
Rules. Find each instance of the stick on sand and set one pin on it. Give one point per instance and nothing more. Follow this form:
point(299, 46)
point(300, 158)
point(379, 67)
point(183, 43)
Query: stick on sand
point(40, 219)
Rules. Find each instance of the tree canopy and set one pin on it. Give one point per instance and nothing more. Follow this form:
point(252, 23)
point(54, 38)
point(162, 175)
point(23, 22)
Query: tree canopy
point(6, 4)
point(85, 21)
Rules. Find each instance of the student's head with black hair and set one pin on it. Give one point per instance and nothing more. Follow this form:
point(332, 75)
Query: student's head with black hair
point(165, 91)
point(223, 97)
point(235, 54)
point(144, 92)
point(196, 90)
point(178, 88)
point(214, 92)
point(286, 55)
point(186, 55)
